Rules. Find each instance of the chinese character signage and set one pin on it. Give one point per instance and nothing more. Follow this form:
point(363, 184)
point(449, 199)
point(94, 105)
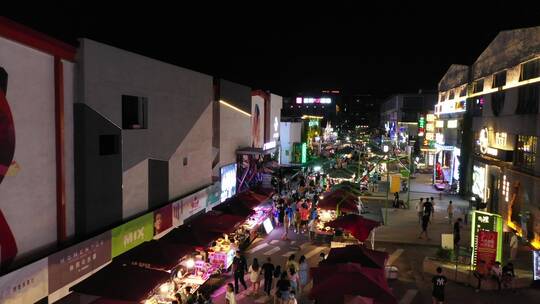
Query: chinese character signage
point(132, 234)
point(72, 263)
point(486, 237)
point(26, 285)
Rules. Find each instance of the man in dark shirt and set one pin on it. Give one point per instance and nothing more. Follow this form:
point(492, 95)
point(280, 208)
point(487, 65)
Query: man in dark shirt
point(268, 270)
point(239, 266)
point(428, 209)
point(439, 281)
point(457, 235)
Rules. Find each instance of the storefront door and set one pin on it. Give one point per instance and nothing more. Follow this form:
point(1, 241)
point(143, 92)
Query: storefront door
point(494, 194)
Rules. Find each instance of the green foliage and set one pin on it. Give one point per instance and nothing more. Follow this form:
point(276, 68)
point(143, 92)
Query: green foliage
point(445, 254)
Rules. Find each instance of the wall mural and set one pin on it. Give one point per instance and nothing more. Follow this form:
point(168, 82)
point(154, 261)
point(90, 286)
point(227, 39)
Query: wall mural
point(8, 247)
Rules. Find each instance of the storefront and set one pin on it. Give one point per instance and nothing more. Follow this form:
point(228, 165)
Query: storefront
point(446, 171)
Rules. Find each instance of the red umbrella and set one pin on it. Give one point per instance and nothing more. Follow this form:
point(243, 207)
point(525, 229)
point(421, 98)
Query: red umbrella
point(347, 279)
point(357, 254)
point(355, 224)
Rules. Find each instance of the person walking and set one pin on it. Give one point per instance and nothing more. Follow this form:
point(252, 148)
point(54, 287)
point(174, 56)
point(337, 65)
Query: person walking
point(286, 223)
point(419, 209)
point(396, 200)
point(480, 273)
point(239, 266)
point(450, 211)
point(313, 228)
point(496, 274)
point(303, 274)
point(514, 244)
point(425, 223)
point(297, 221)
point(439, 282)
point(254, 271)
point(428, 209)
point(457, 235)
point(508, 276)
point(283, 289)
point(294, 278)
point(267, 270)
point(230, 297)
point(291, 263)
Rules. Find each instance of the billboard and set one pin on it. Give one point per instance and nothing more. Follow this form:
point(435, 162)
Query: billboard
point(132, 234)
point(228, 181)
point(313, 100)
point(213, 195)
point(74, 262)
point(163, 219)
point(257, 122)
point(486, 237)
point(26, 285)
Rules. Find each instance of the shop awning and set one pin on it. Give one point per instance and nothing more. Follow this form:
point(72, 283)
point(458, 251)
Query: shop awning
point(158, 255)
point(355, 224)
point(252, 199)
point(268, 192)
point(357, 254)
point(346, 204)
point(193, 235)
point(122, 282)
point(234, 206)
point(219, 222)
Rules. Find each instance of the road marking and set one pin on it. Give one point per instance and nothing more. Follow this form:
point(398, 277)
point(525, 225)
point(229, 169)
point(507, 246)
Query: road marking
point(257, 248)
point(272, 242)
point(394, 256)
point(272, 251)
point(314, 252)
point(409, 296)
point(288, 254)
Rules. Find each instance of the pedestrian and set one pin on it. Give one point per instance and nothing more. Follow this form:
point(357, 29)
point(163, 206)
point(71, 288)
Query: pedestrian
point(291, 263)
point(277, 273)
point(450, 211)
point(439, 282)
point(496, 273)
point(322, 257)
point(283, 289)
point(230, 297)
point(480, 273)
point(508, 276)
point(419, 209)
point(254, 271)
point(303, 274)
point(297, 220)
point(239, 266)
point(425, 223)
point(286, 224)
point(267, 271)
point(514, 244)
point(313, 228)
point(294, 278)
point(281, 211)
point(396, 200)
point(428, 209)
point(457, 235)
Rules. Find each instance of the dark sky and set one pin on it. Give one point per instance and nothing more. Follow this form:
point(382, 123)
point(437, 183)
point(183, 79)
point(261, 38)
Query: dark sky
point(377, 49)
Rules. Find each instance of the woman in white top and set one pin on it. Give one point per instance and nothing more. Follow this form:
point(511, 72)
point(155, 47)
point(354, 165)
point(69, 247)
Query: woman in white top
point(230, 297)
point(254, 271)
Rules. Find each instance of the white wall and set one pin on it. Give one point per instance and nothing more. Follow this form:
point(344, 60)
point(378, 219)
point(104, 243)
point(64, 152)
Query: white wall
point(234, 133)
point(28, 199)
point(135, 190)
point(290, 132)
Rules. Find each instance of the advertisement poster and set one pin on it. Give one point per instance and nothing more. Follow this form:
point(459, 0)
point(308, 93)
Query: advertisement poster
point(228, 181)
point(163, 219)
point(193, 204)
point(486, 249)
point(485, 222)
point(213, 194)
point(26, 285)
point(257, 122)
point(536, 265)
point(72, 263)
point(132, 234)
point(177, 213)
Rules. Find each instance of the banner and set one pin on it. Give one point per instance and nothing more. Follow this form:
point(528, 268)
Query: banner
point(72, 263)
point(188, 206)
point(132, 234)
point(163, 219)
point(26, 285)
point(485, 222)
point(213, 194)
point(486, 248)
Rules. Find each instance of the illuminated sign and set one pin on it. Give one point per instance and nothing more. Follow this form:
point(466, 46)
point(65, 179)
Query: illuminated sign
point(421, 122)
point(447, 107)
point(500, 139)
point(536, 264)
point(439, 138)
point(451, 124)
point(483, 140)
point(439, 124)
point(311, 100)
point(313, 123)
point(430, 136)
point(479, 181)
point(430, 127)
point(430, 118)
point(304, 153)
point(276, 128)
point(505, 188)
point(228, 181)
point(269, 145)
point(268, 227)
point(486, 238)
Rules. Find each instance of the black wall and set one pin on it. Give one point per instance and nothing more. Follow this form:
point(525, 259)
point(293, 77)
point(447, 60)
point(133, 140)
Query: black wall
point(98, 178)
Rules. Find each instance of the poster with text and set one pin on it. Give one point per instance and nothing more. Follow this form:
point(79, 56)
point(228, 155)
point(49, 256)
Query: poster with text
point(486, 249)
point(25, 285)
point(163, 219)
point(213, 194)
point(72, 263)
point(177, 213)
point(132, 234)
point(193, 204)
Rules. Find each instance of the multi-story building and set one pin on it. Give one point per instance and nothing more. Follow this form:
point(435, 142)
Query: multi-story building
point(360, 111)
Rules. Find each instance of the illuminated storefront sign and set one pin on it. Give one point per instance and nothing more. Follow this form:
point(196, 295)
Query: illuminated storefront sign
point(483, 140)
point(228, 181)
point(304, 153)
point(430, 136)
point(486, 238)
point(430, 127)
point(505, 188)
point(500, 139)
point(421, 126)
point(452, 124)
point(276, 128)
point(536, 265)
point(479, 181)
point(439, 138)
point(311, 100)
point(269, 145)
point(430, 118)
point(439, 124)
point(448, 107)
point(313, 123)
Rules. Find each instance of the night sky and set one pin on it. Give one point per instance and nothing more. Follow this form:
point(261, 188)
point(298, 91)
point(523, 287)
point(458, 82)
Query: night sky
point(380, 50)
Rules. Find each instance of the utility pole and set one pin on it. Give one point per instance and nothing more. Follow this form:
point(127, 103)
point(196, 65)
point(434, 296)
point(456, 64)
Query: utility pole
point(409, 177)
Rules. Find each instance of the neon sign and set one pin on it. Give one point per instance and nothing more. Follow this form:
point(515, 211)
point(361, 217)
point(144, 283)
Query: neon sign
point(311, 100)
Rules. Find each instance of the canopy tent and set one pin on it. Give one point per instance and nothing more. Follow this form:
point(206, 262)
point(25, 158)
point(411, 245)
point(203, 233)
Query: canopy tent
point(355, 224)
point(158, 255)
point(340, 173)
point(234, 206)
point(340, 193)
point(193, 235)
point(345, 204)
point(122, 282)
point(357, 254)
point(251, 199)
point(216, 221)
point(333, 282)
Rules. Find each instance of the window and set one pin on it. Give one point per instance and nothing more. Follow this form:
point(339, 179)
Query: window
point(185, 161)
point(526, 152)
point(451, 95)
point(497, 103)
point(528, 100)
point(443, 97)
point(134, 112)
point(499, 79)
point(109, 144)
point(478, 86)
point(463, 92)
point(530, 70)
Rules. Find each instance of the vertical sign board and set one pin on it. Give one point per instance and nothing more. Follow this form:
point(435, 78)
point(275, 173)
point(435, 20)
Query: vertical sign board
point(536, 264)
point(132, 234)
point(74, 262)
point(486, 236)
point(25, 285)
point(304, 153)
